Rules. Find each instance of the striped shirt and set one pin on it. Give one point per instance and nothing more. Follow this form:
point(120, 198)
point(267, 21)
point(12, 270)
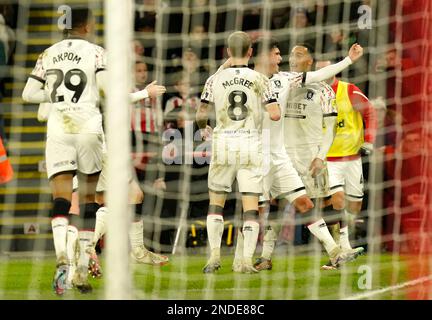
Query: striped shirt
point(144, 116)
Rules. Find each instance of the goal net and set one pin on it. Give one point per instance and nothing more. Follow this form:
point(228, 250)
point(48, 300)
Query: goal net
point(180, 43)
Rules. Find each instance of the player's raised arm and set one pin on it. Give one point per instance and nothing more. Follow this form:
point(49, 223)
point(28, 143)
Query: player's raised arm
point(355, 53)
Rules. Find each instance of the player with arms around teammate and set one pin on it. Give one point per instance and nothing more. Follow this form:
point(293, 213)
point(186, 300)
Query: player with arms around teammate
point(309, 109)
point(282, 182)
point(344, 157)
point(69, 75)
point(239, 96)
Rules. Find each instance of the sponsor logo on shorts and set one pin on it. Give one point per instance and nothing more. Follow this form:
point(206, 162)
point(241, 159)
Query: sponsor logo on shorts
point(62, 163)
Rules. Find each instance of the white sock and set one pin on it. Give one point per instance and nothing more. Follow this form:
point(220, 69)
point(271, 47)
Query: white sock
point(71, 243)
point(215, 228)
point(270, 238)
point(72, 237)
point(59, 229)
point(136, 234)
point(250, 234)
point(319, 229)
point(85, 242)
point(344, 238)
point(100, 226)
point(238, 255)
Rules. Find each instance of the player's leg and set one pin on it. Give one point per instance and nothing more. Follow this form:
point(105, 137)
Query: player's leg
point(318, 227)
point(354, 198)
point(90, 154)
point(336, 170)
point(334, 205)
point(265, 213)
point(272, 227)
point(88, 209)
point(317, 188)
point(61, 165)
point(302, 204)
point(238, 254)
point(101, 213)
point(250, 182)
point(61, 186)
point(286, 187)
point(215, 227)
point(250, 230)
point(139, 253)
point(220, 179)
point(72, 234)
point(328, 216)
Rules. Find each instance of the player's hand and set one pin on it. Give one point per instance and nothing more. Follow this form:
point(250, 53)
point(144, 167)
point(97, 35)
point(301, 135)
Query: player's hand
point(227, 63)
point(159, 184)
point(206, 133)
point(366, 149)
point(316, 166)
point(155, 90)
point(355, 52)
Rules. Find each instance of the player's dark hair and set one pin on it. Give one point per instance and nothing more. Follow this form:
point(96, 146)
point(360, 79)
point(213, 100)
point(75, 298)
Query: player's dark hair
point(139, 61)
point(239, 43)
point(264, 45)
point(80, 16)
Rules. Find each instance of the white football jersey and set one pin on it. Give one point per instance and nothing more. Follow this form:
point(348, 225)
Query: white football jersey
point(68, 70)
point(239, 95)
point(305, 107)
point(281, 83)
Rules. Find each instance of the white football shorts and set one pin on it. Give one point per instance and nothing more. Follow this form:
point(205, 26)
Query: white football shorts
point(282, 181)
point(317, 187)
point(236, 156)
point(346, 176)
point(74, 152)
point(221, 178)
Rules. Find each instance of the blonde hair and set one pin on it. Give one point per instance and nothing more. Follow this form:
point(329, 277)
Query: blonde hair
point(239, 43)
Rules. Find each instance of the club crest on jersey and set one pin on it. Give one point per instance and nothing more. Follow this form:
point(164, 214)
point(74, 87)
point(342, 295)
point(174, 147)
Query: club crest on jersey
point(237, 72)
point(309, 95)
point(278, 84)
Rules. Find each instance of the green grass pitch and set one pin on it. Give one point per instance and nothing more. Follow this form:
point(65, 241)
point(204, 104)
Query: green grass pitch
point(292, 277)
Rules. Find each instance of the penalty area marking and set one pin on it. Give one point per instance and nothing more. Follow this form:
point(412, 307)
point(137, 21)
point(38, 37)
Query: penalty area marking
point(391, 288)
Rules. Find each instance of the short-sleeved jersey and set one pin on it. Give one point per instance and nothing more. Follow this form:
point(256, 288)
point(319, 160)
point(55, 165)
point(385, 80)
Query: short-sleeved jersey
point(238, 94)
point(305, 108)
point(68, 70)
